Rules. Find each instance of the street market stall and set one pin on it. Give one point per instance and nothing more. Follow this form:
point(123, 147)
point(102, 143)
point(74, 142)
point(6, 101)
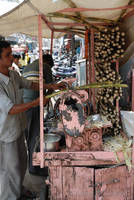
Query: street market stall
point(86, 167)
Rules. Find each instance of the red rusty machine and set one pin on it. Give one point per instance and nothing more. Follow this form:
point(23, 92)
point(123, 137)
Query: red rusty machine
point(83, 171)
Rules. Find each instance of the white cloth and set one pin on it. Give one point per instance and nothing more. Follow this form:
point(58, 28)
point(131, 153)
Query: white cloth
point(16, 68)
point(13, 164)
point(11, 126)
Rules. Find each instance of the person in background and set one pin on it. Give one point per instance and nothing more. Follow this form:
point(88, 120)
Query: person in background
point(78, 52)
point(13, 156)
point(27, 59)
point(23, 60)
point(47, 51)
point(16, 63)
point(31, 72)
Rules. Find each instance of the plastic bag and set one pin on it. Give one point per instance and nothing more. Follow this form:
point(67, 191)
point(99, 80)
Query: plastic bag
point(127, 118)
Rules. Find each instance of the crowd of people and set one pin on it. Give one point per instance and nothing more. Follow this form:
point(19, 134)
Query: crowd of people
point(19, 94)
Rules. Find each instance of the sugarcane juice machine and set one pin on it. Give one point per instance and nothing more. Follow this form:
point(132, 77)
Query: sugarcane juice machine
point(74, 109)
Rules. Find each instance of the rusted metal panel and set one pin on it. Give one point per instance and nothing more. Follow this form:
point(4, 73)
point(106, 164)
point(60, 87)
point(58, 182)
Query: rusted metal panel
point(113, 184)
point(76, 181)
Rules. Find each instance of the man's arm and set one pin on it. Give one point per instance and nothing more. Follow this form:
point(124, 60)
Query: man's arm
point(19, 108)
point(35, 86)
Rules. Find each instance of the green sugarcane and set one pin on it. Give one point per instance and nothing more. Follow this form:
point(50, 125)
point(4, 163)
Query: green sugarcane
point(92, 85)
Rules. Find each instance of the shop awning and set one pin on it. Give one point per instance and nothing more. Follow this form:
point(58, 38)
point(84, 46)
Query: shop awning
point(61, 16)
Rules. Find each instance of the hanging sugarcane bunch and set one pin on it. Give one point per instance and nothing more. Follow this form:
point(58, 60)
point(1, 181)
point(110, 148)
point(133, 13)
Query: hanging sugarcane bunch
point(106, 97)
point(106, 106)
point(106, 101)
point(109, 44)
point(106, 72)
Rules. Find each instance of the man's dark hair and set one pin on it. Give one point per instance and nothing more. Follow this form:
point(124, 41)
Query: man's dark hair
point(16, 56)
point(3, 44)
point(48, 59)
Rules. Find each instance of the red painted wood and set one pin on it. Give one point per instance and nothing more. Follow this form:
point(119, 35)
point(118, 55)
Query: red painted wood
point(89, 70)
point(86, 53)
point(113, 184)
point(51, 49)
point(93, 68)
point(56, 182)
point(117, 101)
point(78, 158)
point(41, 91)
point(76, 183)
point(90, 140)
point(46, 22)
point(133, 90)
point(129, 14)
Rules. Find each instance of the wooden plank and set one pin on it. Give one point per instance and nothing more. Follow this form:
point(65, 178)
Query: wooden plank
point(113, 184)
point(76, 182)
point(56, 183)
point(78, 158)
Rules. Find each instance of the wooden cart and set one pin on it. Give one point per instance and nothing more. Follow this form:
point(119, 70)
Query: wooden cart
point(92, 175)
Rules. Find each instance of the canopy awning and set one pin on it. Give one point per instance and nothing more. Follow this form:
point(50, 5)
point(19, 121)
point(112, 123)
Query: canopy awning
point(61, 16)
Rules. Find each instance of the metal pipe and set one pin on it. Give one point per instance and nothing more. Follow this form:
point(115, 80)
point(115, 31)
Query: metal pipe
point(41, 91)
point(93, 67)
point(52, 35)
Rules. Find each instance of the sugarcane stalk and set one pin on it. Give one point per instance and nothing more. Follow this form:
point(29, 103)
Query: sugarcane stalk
point(79, 19)
point(92, 85)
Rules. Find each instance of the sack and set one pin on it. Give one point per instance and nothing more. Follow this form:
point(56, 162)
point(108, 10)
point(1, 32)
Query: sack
point(127, 118)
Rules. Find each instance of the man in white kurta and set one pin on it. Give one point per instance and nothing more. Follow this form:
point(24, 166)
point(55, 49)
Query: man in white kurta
point(12, 148)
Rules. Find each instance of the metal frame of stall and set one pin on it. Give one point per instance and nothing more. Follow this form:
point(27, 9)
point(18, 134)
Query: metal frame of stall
point(59, 159)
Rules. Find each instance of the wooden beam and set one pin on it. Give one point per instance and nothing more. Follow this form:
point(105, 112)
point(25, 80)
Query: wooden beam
point(46, 22)
point(65, 24)
point(129, 14)
point(41, 92)
point(52, 36)
point(124, 11)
